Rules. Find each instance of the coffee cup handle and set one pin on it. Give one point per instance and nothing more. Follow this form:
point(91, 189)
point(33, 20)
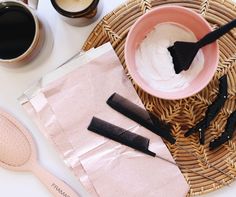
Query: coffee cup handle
point(32, 3)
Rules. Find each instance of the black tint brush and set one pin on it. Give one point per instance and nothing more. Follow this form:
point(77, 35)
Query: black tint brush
point(183, 53)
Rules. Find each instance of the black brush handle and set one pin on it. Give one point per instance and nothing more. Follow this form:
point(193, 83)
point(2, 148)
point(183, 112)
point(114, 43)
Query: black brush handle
point(120, 135)
point(227, 134)
point(141, 116)
point(216, 34)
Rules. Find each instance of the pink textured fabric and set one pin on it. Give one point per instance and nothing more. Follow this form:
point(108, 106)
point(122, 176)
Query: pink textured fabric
point(63, 110)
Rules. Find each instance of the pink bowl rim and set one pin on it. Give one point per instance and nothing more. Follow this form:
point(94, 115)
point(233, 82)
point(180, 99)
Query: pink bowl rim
point(170, 95)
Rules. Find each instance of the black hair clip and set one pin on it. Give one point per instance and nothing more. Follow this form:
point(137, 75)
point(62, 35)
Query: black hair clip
point(120, 135)
point(227, 134)
point(141, 116)
point(211, 112)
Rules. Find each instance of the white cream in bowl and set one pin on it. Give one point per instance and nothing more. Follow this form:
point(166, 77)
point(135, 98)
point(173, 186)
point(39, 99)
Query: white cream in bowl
point(154, 62)
point(74, 5)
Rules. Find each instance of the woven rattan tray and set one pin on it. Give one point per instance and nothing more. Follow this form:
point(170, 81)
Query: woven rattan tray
point(183, 114)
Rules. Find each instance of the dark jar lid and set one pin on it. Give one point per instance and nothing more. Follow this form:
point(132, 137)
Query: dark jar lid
point(79, 14)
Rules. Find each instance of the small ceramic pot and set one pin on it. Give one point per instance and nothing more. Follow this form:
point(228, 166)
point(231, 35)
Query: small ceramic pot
point(78, 13)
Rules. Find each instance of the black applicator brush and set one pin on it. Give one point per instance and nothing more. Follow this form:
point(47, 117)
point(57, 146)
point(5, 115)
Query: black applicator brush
point(183, 53)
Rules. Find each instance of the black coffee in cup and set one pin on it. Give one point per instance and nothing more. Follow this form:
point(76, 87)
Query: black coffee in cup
point(17, 30)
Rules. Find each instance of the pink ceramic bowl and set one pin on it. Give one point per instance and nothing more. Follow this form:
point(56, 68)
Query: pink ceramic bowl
point(185, 17)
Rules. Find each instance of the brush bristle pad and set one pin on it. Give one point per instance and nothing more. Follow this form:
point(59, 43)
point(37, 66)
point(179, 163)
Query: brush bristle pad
point(14, 146)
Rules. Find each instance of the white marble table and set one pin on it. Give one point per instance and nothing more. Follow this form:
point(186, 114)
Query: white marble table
point(67, 41)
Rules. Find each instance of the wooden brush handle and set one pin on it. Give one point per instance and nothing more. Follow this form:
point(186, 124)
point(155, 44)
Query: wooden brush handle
point(56, 186)
point(214, 35)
